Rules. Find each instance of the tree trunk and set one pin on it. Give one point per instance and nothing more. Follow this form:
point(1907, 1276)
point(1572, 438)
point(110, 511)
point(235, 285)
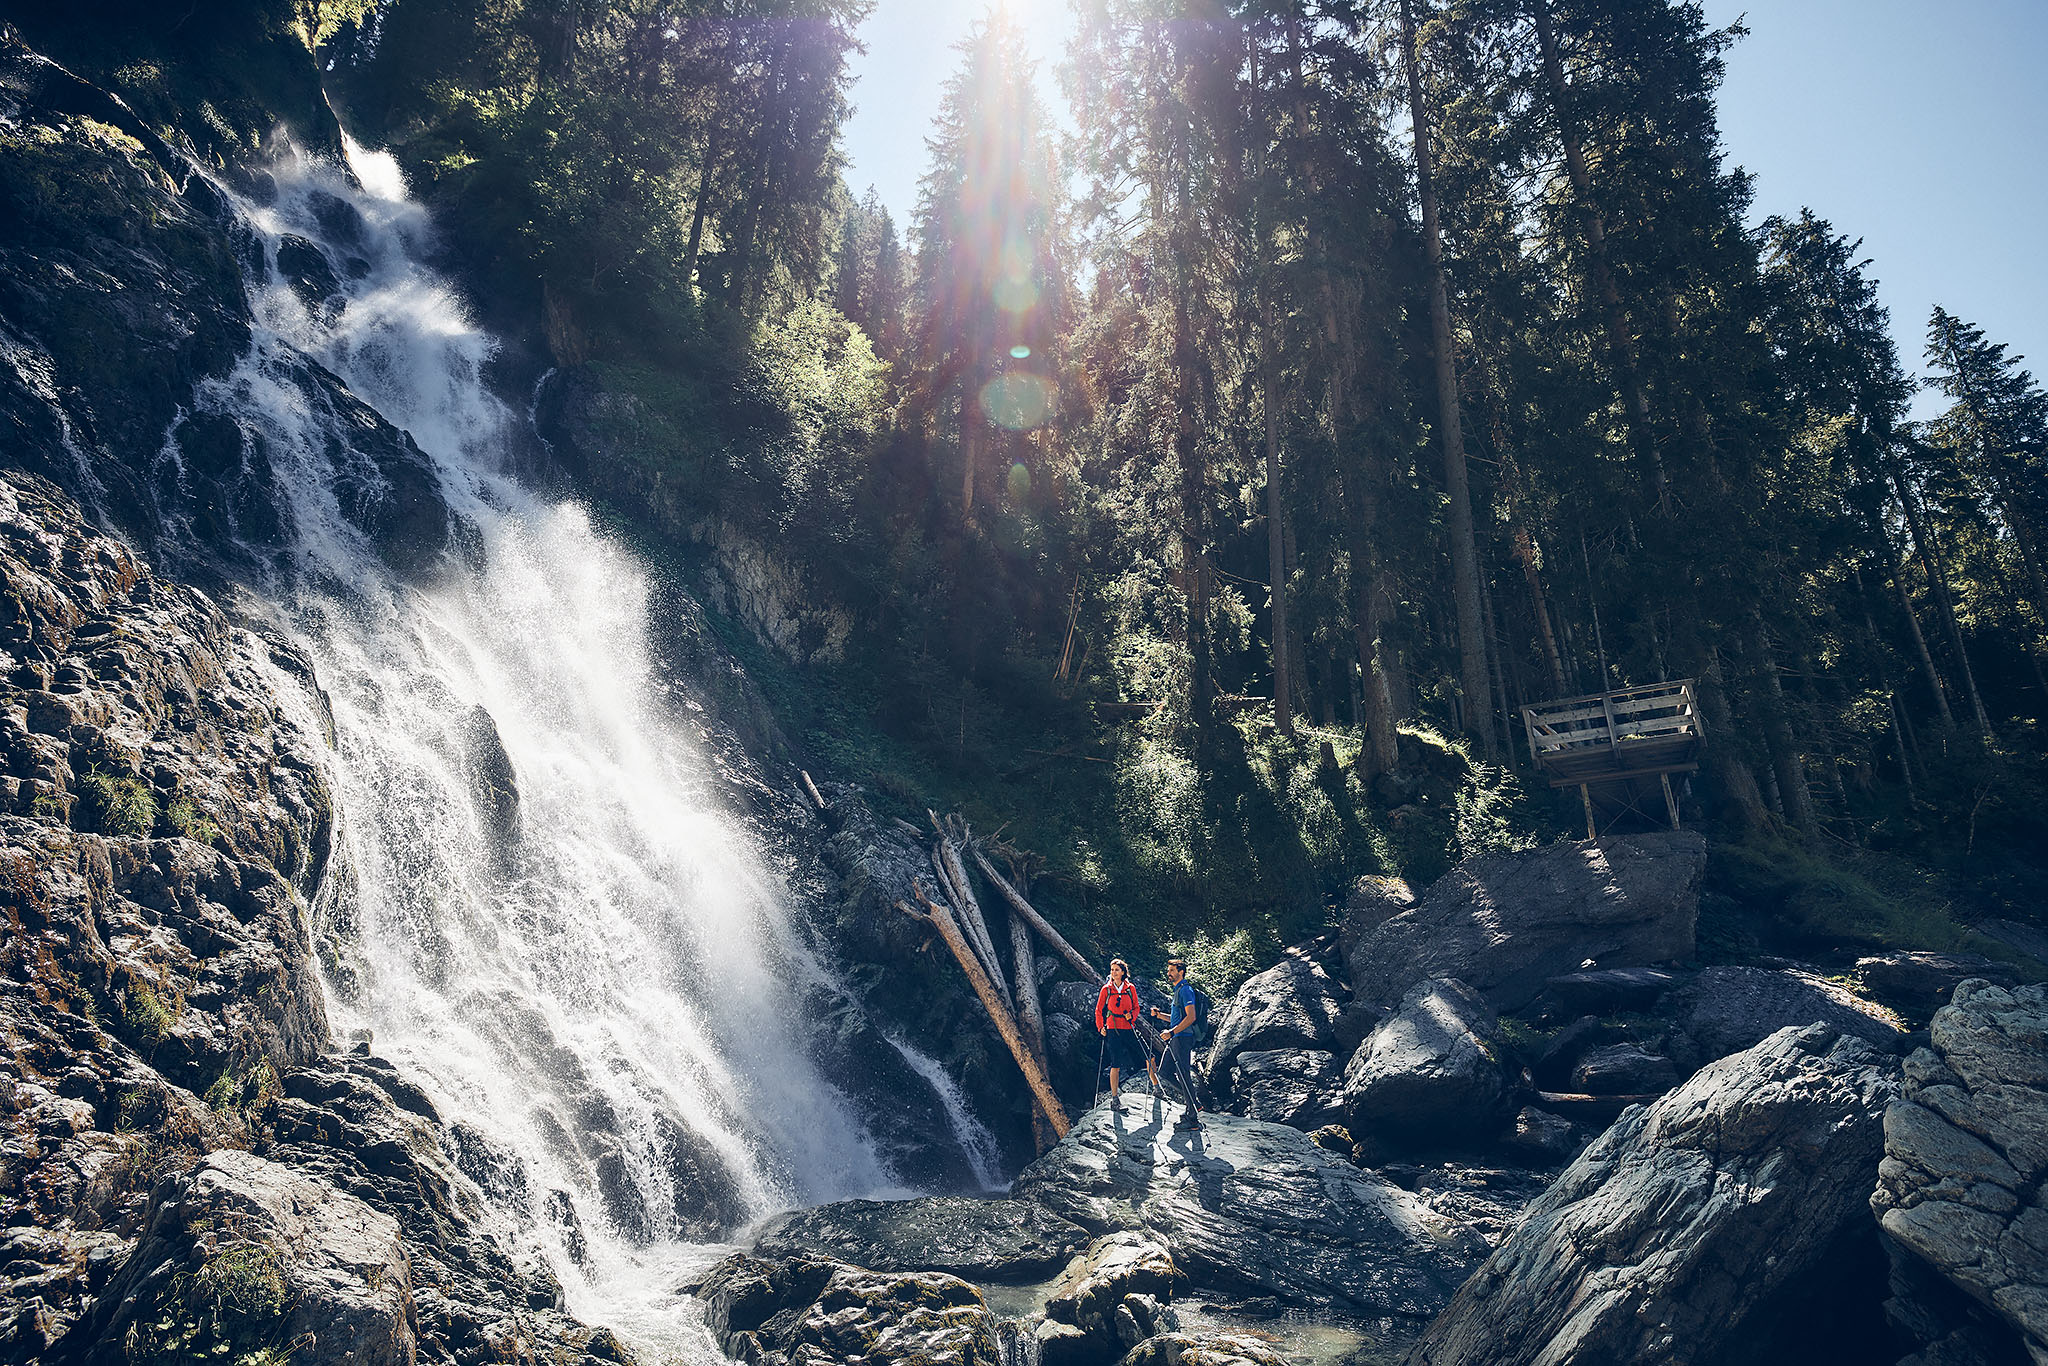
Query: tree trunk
point(1276, 536)
point(1620, 343)
point(1925, 656)
point(1464, 553)
point(1525, 553)
point(697, 214)
point(1937, 584)
point(1797, 798)
point(998, 1014)
point(1731, 773)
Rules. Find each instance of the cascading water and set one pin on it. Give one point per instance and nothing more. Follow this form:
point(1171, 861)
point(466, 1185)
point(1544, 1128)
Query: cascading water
point(593, 979)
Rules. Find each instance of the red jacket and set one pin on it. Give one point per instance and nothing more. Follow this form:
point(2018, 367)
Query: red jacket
point(1119, 1004)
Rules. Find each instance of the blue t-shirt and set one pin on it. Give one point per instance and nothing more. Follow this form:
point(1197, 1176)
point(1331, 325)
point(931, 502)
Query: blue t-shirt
point(1183, 1002)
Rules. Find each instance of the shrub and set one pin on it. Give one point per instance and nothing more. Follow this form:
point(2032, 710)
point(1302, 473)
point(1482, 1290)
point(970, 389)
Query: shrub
point(188, 820)
point(116, 806)
point(149, 1015)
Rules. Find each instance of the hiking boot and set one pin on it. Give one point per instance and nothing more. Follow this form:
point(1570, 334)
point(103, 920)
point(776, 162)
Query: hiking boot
point(1188, 1120)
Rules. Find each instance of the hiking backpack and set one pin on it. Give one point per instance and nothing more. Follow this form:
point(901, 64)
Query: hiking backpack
point(1199, 1036)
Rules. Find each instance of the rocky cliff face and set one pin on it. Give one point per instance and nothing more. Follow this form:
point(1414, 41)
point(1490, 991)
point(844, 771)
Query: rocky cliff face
point(164, 824)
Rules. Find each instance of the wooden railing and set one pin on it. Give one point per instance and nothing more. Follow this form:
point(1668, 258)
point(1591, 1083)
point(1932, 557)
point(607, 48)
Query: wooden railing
point(1655, 712)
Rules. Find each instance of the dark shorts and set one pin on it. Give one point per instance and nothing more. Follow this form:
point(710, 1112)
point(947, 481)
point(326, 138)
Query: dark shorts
point(1122, 1051)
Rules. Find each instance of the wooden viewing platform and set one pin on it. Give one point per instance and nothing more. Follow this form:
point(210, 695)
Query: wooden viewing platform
point(1624, 744)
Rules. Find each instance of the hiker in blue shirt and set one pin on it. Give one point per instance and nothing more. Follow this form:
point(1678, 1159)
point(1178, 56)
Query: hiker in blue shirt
point(1178, 1030)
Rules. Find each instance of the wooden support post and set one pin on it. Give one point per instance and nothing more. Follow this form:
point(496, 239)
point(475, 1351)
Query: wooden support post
point(1586, 796)
point(998, 1013)
point(1670, 799)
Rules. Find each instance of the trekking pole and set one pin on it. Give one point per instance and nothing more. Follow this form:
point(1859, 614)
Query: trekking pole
point(1100, 1053)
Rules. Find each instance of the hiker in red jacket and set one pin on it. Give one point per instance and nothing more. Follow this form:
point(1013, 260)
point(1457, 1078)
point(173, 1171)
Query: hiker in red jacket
point(1116, 1018)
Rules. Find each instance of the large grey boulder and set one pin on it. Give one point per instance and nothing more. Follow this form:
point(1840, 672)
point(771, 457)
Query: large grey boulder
point(1431, 1074)
point(1303, 1087)
point(813, 1311)
point(1256, 1208)
point(1505, 924)
point(1212, 1349)
point(1293, 1004)
point(1966, 1150)
point(1000, 1240)
point(243, 1255)
point(1684, 1224)
point(1112, 1298)
point(1724, 1010)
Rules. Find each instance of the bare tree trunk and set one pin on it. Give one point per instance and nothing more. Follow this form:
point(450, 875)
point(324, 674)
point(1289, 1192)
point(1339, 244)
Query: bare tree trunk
point(1464, 553)
point(998, 1013)
point(1734, 776)
point(1525, 553)
point(697, 214)
point(1785, 755)
point(1937, 584)
point(1925, 656)
point(948, 858)
point(1276, 536)
point(1620, 343)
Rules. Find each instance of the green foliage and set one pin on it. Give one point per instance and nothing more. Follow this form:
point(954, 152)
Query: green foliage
point(151, 1017)
point(116, 806)
point(185, 817)
point(233, 1090)
point(231, 1309)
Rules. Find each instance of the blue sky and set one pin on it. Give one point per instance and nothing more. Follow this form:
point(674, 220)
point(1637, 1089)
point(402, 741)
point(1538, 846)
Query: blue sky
point(1921, 128)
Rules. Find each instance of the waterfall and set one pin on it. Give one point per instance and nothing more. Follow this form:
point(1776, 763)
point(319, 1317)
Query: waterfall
point(540, 908)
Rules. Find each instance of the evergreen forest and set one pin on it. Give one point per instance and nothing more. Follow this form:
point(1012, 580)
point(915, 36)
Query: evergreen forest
point(1204, 476)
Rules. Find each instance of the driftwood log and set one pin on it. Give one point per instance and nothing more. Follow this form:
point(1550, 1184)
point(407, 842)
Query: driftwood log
point(999, 1014)
point(1024, 910)
point(954, 873)
point(1024, 968)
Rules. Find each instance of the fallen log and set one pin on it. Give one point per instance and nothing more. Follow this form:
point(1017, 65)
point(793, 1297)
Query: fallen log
point(999, 1014)
point(963, 899)
point(984, 953)
point(1595, 1110)
point(1053, 937)
point(1029, 1013)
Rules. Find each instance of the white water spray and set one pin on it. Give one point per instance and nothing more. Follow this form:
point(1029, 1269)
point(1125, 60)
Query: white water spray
point(601, 1002)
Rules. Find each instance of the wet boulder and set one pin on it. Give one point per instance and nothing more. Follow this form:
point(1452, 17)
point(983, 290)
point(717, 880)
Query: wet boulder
point(1506, 924)
point(1432, 1074)
point(769, 1313)
point(304, 267)
point(1684, 1231)
point(493, 785)
point(1113, 1296)
point(983, 1240)
point(1302, 1087)
point(1252, 1208)
point(1724, 1010)
point(386, 486)
point(1208, 1349)
point(1293, 1004)
point(1965, 1154)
